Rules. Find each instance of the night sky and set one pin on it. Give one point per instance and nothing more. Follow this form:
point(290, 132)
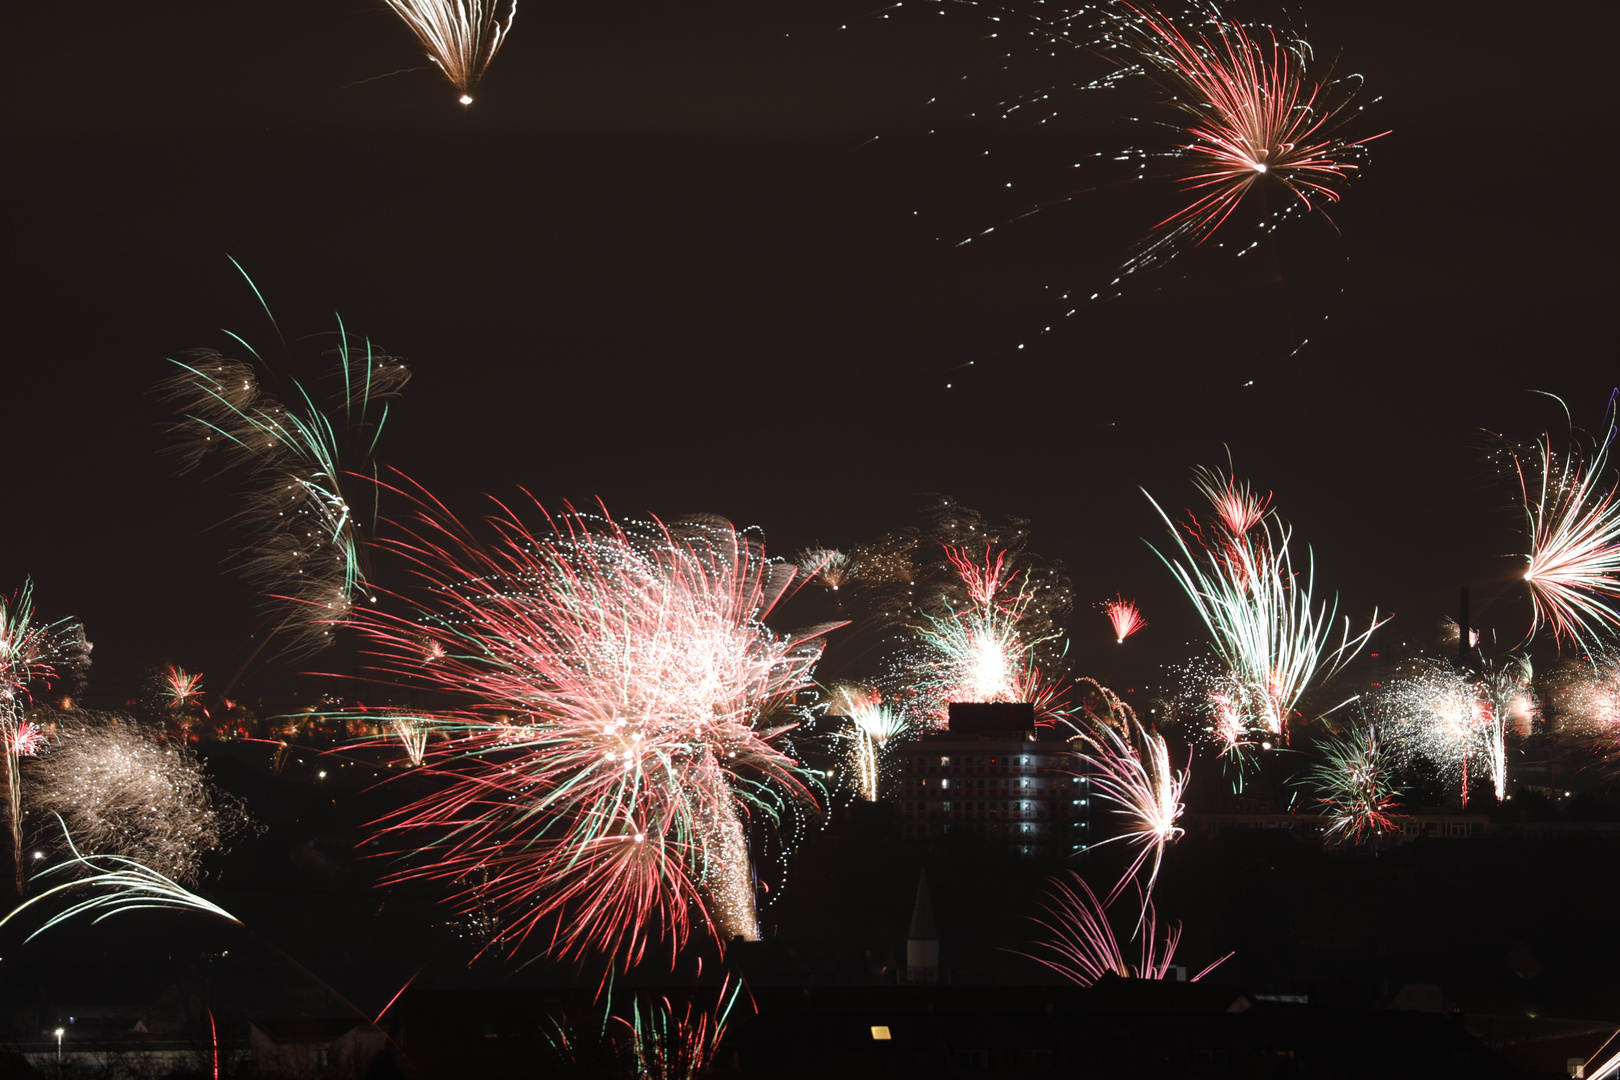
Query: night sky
point(702, 257)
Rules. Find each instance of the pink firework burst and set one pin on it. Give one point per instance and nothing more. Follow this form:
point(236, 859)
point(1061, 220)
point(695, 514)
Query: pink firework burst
point(1251, 114)
point(1573, 520)
point(1124, 616)
point(1082, 946)
point(624, 702)
point(24, 740)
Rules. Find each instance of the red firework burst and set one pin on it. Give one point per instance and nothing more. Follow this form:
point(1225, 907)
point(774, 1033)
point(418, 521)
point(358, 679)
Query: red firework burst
point(624, 698)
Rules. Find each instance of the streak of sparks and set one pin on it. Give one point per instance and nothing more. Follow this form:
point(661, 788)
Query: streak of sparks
point(1084, 947)
point(116, 885)
point(460, 36)
point(1124, 617)
point(1267, 631)
point(1573, 520)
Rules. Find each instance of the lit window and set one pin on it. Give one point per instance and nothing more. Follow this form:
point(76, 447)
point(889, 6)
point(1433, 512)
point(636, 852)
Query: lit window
point(880, 1032)
point(944, 761)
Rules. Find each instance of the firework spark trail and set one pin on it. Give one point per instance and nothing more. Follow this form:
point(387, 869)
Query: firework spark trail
point(827, 567)
point(180, 689)
point(871, 725)
point(1573, 520)
point(1355, 786)
point(125, 789)
point(305, 550)
point(412, 734)
point(645, 694)
point(29, 652)
point(1124, 617)
point(678, 1046)
point(1084, 943)
point(460, 36)
point(116, 885)
point(1262, 621)
point(1130, 767)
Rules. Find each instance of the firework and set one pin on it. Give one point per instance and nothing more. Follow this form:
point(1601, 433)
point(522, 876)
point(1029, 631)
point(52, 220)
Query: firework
point(1573, 520)
point(305, 551)
point(1250, 114)
point(126, 789)
point(871, 726)
point(1084, 946)
point(179, 689)
point(626, 702)
point(460, 36)
point(1587, 695)
point(1249, 110)
point(1269, 636)
point(1130, 767)
point(981, 652)
point(1123, 616)
point(30, 652)
point(412, 734)
point(678, 1046)
point(116, 884)
point(1452, 717)
point(1355, 786)
point(826, 567)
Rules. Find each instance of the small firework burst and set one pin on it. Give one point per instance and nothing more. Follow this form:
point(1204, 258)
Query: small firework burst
point(1355, 786)
point(1082, 945)
point(126, 789)
point(1573, 521)
point(1459, 721)
point(827, 567)
point(460, 36)
point(871, 725)
point(1123, 616)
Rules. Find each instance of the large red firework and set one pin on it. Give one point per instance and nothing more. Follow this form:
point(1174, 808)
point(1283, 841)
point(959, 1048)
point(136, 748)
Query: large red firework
point(623, 698)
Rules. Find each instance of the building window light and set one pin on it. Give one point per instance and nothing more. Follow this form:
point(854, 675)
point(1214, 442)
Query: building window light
point(880, 1033)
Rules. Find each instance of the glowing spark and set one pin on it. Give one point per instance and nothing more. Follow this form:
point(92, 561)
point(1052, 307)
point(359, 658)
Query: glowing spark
point(871, 726)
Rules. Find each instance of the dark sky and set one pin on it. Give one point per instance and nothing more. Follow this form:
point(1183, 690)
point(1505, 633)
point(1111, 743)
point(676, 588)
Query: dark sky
point(661, 261)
